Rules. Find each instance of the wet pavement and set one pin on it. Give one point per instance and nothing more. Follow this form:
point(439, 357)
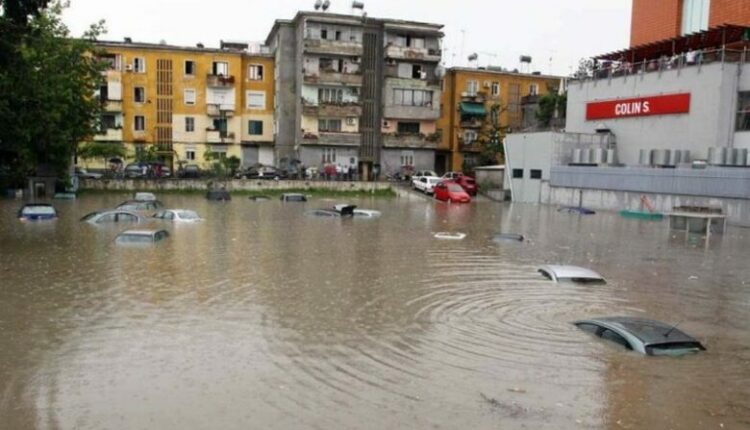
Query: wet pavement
point(262, 317)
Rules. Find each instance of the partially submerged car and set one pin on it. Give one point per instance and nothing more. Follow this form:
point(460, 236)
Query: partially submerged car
point(642, 335)
point(218, 195)
point(37, 212)
point(508, 237)
point(144, 197)
point(557, 273)
point(102, 217)
point(293, 197)
point(141, 237)
point(178, 215)
point(140, 205)
point(577, 210)
point(443, 235)
point(344, 211)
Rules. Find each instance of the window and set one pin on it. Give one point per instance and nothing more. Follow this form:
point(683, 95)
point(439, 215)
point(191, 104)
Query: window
point(331, 125)
point(404, 97)
point(255, 128)
point(417, 72)
point(189, 67)
point(255, 72)
point(189, 96)
point(256, 99)
point(534, 89)
point(695, 15)
point(337, 35)
point(535, 174)
point(189, 124)
point(324, 33)
point(614, 337)
point(139, 123)
point(410, 41)
point(108, 122)
point(330, 95)
point(472, 87)
point(220, 125)
point(408, 127)
point(517, 173)
point(329, 155)
point(407, 158)
point(743, 111)
point(220, 68)
point(496, 89)
point(190, 155)
point(470, 136)
point(139, 65)
point(139, 95)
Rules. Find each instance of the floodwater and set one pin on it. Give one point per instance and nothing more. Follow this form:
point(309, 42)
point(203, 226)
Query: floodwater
point(262, 317)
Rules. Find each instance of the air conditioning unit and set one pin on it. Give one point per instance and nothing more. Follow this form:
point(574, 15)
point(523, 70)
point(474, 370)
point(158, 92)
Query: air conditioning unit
point(128, 67)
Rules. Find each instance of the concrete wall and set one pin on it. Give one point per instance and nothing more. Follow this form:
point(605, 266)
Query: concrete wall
point(312, 156)
point(230, 185)
point(286, 91)
point(713, 88)
point(527, 152)
point(390, 159)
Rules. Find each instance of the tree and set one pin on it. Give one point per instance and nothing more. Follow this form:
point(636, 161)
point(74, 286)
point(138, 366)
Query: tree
point(102, 150)
point(222, 166)
point(551, 106)
point(492, 138)
point(47, 82)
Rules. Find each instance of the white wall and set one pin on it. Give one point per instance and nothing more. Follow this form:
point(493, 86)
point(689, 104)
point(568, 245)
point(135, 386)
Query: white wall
point(528, 151)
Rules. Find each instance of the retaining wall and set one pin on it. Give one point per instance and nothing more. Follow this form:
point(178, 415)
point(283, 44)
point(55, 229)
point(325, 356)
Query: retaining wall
point(230, 185)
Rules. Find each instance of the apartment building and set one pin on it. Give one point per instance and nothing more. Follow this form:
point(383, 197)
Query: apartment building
point(356, 91)
point(188, 100)
point(653, 21)
point(476, 101)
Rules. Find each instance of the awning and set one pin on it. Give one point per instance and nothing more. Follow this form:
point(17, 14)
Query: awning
point(472, 109)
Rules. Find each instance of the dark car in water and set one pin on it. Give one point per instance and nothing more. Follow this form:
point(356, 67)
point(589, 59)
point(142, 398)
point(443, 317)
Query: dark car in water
point(642, 335)
point(37, 212)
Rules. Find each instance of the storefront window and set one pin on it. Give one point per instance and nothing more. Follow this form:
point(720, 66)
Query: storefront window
point(743, 111)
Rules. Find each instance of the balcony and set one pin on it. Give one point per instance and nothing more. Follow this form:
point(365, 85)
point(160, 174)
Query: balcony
point(407, 53)
point(332, 139)
point(472, 123)
point(109, 135)
point(476, 97)
point(335, 47)
point(343, 110)
point(216, 136)
point(112, 105)
point(470, 147)
point(415, 141)
point(219, 81)
point(336, 78)
point(425, 113)
point(219, 110)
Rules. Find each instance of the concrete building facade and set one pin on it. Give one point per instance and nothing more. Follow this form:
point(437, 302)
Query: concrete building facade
point(187, 101)
point(355, 91)
point(653, 21)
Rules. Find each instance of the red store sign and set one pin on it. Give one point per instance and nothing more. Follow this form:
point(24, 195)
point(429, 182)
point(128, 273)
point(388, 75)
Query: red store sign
point(641, 106)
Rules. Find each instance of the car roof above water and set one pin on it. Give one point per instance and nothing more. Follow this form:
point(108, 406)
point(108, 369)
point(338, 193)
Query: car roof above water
point(558, 272)
point(650, 332)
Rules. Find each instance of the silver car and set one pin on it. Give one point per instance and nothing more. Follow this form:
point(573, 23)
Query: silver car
point(102, 217)
point(141, 237)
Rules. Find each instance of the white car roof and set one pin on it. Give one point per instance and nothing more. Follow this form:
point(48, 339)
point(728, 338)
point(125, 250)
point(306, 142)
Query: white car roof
point(556, 272)
point(139, 232)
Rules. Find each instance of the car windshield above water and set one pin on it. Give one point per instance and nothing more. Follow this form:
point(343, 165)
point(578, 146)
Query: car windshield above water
point(576, 274)
point(38, 210)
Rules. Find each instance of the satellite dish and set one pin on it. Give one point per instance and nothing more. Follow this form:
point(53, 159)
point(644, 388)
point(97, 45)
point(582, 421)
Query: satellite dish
point(318, 4)
point(473, 57)
point(440, 72)
point(326, 5)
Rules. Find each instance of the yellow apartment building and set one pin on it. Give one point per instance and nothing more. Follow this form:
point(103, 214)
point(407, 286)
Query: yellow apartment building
point(475, 100)
point(187, 101)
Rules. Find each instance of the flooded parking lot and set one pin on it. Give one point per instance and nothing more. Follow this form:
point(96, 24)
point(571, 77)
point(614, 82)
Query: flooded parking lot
point(262, 317)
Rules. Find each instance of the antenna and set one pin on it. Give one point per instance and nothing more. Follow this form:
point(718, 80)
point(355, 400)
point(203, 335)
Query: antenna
point(673, 328)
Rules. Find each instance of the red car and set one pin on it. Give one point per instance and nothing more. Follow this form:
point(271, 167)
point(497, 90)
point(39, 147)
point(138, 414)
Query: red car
point(451, 192)
point(468, 184)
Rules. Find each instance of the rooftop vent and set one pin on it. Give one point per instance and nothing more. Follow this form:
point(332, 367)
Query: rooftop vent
point(199, 45)
point(128, 40)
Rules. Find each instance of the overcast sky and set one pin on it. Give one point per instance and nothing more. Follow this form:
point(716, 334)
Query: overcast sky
point(556, 33)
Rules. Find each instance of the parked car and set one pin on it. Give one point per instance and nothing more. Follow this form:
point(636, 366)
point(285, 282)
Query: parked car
point(425, 184)
point(451, 192)
point(140, 205)
point(134, 170)
point(37, 212)
point(178, 215)
point(450, 176)
point(101, 217)
point(85, 174)
point(421, 173)
point(191, 171)
point(468, 184)
point(557, 273)
point(642, 335)
point(141, 237)
point(261, 172)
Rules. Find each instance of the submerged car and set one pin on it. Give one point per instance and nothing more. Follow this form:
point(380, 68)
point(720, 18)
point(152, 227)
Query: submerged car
point(141, 237)
point(140, 205)
point(451, 192)
point(218, 195)
point(101, 217)
point(508, 237)
point(144, 197)
point(178, 215)
point(642, 335)
point(577, 210)
point(425, 184)
point(37, 212)
point(293, 197)
point(576, 274)
point(345, 211)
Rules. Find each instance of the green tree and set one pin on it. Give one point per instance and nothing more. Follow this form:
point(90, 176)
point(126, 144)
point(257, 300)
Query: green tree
point(47, 80)
point(105, 151)
point(551, 106)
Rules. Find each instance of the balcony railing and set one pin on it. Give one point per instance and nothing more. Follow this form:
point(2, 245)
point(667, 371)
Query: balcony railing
point(339, 47)
point(325, 77)
point(418, 141)
point(213, 109)
point(342, 110)
point(219, 81)
point(407, 53)
point(216, 136)
point(474, 146)
point(472, 123)
point(109, 135)
point(332, 139)
point(112, 105)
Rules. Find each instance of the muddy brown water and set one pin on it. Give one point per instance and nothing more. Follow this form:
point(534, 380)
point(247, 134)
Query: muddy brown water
point(261, 317)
